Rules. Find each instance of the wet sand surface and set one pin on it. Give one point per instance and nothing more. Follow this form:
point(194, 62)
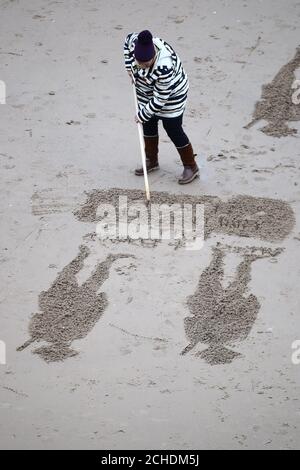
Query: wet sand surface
point(141, 345)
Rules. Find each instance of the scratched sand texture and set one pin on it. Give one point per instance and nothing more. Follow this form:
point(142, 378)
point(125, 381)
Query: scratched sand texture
point(147, 360)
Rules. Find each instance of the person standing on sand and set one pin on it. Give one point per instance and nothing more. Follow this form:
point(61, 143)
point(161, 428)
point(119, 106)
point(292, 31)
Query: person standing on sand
point(162, 86)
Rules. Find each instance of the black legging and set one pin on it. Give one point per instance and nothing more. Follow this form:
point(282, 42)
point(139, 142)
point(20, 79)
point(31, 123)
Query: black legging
point(172, 126)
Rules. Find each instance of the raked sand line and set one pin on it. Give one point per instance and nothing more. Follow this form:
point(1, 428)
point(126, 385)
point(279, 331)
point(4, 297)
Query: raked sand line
point(245, 216)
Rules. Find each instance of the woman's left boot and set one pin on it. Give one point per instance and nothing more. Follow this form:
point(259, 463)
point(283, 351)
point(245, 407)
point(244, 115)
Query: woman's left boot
point(191, 170)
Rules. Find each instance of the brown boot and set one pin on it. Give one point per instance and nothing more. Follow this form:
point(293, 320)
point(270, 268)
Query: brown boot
point(191, 170)
point(151, 150)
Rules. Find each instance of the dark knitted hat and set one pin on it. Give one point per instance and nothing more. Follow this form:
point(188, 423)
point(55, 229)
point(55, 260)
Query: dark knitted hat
point(144, 48)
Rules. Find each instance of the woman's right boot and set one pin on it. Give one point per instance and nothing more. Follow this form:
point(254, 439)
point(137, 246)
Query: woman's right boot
point(151, 150)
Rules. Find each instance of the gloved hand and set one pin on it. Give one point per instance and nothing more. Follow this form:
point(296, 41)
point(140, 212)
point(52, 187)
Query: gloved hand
point(131, 76)
point(136, 118)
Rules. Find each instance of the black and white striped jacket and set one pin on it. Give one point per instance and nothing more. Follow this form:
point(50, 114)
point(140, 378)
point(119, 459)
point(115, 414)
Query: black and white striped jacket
point(161, 89)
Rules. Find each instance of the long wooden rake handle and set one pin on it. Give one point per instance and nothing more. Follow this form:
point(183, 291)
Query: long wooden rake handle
point(141, 138)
